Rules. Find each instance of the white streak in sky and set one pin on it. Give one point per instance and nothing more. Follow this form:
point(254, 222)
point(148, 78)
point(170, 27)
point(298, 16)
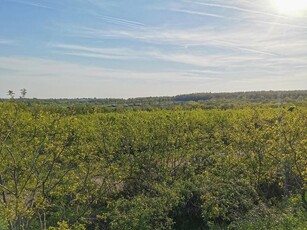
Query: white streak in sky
point(118, 21)
point(33, 4)
point(224, 6)
point(198, 13)
point(105, 53)
point(6, 41)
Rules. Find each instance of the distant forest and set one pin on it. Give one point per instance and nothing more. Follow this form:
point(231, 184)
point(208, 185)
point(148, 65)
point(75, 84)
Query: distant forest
point(186, 101)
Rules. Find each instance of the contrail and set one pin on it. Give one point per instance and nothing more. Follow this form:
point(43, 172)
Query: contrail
point(33, 4)
point(279, 24)
point(237, 8)
point(198, 13)
point(118, 21)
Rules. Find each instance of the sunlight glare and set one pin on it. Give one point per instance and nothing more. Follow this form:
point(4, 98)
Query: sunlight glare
point(290, 7)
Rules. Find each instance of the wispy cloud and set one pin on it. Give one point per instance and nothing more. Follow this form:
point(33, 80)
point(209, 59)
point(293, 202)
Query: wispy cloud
point(203, 61)
point(4, 41)
point(240, 11)
point(118, 21)
point(49, 78)
point(199, 13)
point(286, 25)
point(236, 8)
point(256, 39)
point(32, 3)
point(46, 68)
point(95, 52)
point(237, 49)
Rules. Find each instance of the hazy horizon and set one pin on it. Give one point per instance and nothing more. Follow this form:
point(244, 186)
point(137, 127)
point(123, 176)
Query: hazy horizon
point(128, 49)
point(17, 95)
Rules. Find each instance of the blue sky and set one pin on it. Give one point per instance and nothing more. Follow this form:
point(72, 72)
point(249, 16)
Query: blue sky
point(135, 48)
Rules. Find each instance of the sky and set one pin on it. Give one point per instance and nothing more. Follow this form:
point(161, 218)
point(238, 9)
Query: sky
point(138, 48)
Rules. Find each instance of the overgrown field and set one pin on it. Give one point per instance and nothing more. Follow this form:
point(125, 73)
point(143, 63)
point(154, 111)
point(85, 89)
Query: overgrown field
point(163, 169)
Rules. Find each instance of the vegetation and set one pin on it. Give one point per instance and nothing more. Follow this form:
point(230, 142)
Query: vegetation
point(180, 167)
point(188, 101)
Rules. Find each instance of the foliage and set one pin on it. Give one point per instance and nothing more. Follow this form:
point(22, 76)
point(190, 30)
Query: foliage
point(222, 101)
point(160, 169)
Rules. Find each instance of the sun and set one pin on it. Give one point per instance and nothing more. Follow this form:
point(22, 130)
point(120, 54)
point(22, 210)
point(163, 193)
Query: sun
point(290, 7)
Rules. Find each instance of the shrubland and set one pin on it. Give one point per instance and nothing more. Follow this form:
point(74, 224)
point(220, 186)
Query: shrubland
point(239, 168)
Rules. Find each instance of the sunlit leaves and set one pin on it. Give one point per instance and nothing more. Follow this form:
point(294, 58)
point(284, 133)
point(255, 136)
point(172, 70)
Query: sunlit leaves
point(148, 170)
